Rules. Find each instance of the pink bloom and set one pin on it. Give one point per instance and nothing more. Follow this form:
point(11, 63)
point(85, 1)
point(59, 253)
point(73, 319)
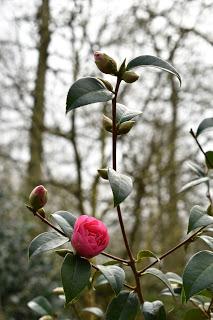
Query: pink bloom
point(98, 55)
point(38, 197)
point(90, 236)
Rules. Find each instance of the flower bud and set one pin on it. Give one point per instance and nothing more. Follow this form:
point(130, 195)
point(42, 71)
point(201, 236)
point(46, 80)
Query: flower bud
point(38, 197)
point(42, 212)
point(107, 84)
point(107, 123)
point(125, 127)
point(103, 173)
point(130, 76)
point(210, 210)
point(105, 63)
point(90, 236)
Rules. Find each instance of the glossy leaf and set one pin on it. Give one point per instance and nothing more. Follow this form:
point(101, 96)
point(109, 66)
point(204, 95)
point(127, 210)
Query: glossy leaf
point(124, 114)
point(161, 276)
point(114, 275)
point(208, 240)
point(196, 168)
point(194, 183)
point(46, 241)
point(198, 218)
point(123, 307)
point(75, 274)
point(40, 305)
point(152, 61)
point(209, 156)
point(66, 221)
point(86, 91)
point(174, 278)
point(153, 310)
point(146, 254)
point(121, 186)
point(194, 314)
point(204, 125)
point(94, 310)
point(198, 272)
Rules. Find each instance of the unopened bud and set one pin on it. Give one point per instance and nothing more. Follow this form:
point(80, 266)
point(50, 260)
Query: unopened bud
point(130, 76)
point(103, 173)
point(125, 127)
point(59, 291)
point(107, 84)
point(47, 317)
point(107, 123)
point(210, 210)
point(42, 212)
point(38, 197)
point(105, 63)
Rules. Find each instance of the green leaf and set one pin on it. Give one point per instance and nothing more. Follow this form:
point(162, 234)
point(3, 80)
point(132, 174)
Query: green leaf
point(193, 183)
point(198, 218)
point(204, 125)
point(208, 240)
point(121, 186)
point(75, 274)
point(40, 305)
point(94, 310)
point(209, 156)
point(174, 278)
point(196, 168)
point(114, 275)
point(124, 114)
point(198, 272)
point(194, 314)
point(153, 310)
point(152, 61)
point(46, 241)
point(86, 91)
point(123, 307)
point(66, 221)
point(146, 254)
point(161, 276)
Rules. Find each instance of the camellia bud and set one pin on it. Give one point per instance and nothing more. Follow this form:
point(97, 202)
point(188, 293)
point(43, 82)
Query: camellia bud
point(103, 173)
point(130, 76)
point(210, 210)
point(107, 84)
point(125, 127)
point(107, 123)
point(38, 197)
point(105, 63)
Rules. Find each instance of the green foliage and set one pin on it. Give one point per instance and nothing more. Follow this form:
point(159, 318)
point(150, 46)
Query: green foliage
point(94, 310)
point(152, 61)
point(206, 124)
point(161, 276)
point(153, 310)
point(146, 254)
point(194, 183)
point(195, 314)
point(75, 274)
point(114, 275)
point(208, 240)
point(197, 274)
point(66, 221)
point(198, 218)
point(121, 186)
point(45, 242)
point(40, 305)
point(209, 159)
point(124, 306)
point(124, 114)
point(86, 91)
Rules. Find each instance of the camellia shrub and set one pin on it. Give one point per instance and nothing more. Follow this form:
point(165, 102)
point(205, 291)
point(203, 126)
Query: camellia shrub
point(88, 237)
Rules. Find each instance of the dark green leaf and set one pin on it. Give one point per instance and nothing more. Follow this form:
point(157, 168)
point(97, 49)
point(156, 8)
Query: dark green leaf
point(195, 314)
point(114, 275)
point(196, 168)
point(123, 307)
point(204, 125)
point(198, 218)
point(208, 240)
point(153, 310)
point(86, 91)
point(152, 61)
point(75, 274)
point(100, 280)
point(121, 186)
point(66, 221)
point(63, 252)
point(146, 254)
point(209, 156)
point(94, 310)
point(46, 241)
point(161, 276)
point(40, 305)
point(174, 278)
point(124, 114)
point(193, 183)
point(198, 272)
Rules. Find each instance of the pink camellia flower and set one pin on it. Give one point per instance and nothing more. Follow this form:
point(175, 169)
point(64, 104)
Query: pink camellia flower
point(90, 236)
point(105, 63)
point(38, 197)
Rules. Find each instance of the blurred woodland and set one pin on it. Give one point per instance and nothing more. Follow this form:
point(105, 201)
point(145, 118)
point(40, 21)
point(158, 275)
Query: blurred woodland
point(45, 45)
